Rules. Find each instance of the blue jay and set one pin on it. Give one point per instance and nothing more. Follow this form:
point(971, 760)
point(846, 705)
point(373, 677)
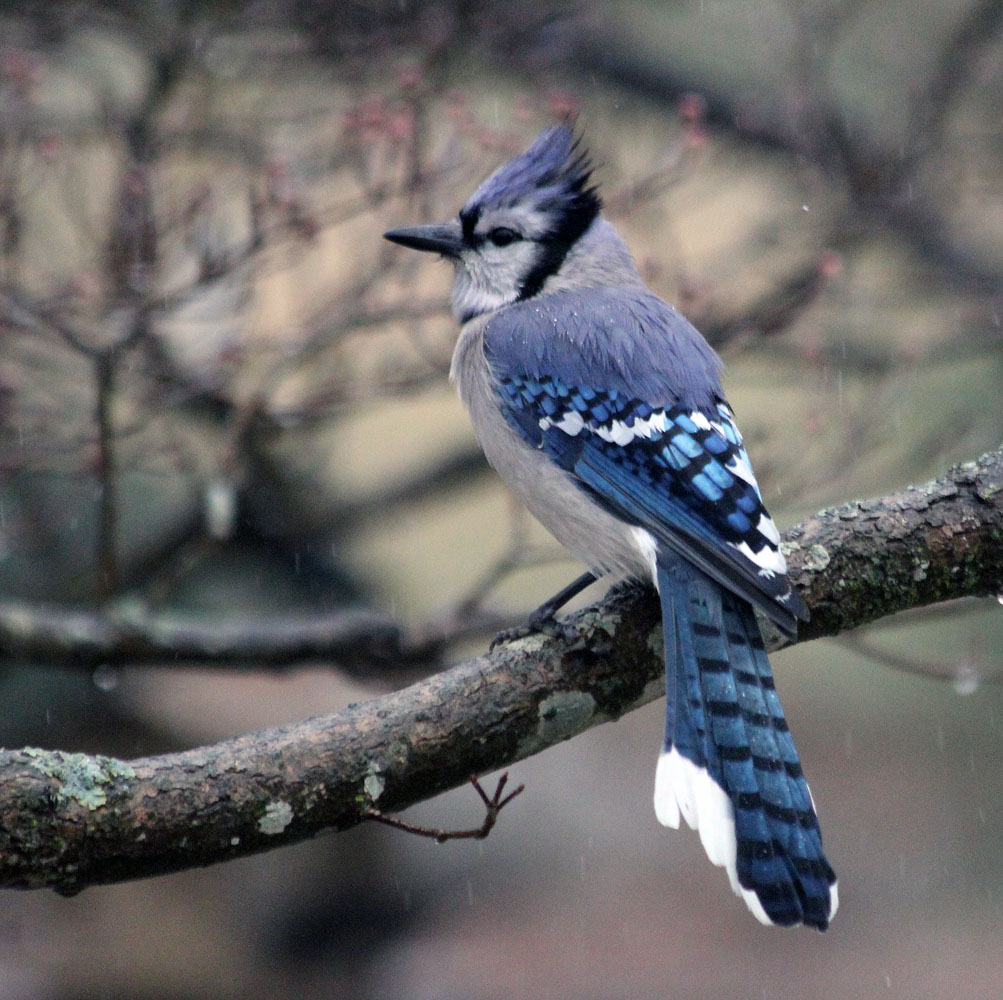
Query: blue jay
point(602, 409)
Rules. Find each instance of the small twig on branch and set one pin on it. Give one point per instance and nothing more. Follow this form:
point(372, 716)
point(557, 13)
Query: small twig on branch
point(492, 807)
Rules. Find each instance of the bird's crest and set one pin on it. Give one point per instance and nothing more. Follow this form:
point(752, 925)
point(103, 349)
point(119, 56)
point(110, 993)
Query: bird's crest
point(552, 175)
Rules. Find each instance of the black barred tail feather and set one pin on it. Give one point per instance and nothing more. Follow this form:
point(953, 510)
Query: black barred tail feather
point(729, 766)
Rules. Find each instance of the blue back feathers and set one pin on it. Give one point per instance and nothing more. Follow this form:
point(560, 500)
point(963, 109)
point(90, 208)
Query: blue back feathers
point(623, 339)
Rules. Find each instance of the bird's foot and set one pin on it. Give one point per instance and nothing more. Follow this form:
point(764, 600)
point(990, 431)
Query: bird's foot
point(544, 618)
point(541, 620)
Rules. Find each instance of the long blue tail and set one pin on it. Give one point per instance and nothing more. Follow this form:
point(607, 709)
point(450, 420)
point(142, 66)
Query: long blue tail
point(729, 766)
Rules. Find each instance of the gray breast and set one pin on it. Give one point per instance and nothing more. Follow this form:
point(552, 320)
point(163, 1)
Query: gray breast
point(603, 543)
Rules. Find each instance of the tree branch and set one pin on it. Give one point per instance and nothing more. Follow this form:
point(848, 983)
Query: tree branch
point(72, 820)
point(130, 632)
point(872, 558)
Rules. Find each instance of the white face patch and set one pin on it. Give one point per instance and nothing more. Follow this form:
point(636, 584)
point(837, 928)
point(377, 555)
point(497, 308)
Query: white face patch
point(525, 219)
point(489, 276)
point(469, 300)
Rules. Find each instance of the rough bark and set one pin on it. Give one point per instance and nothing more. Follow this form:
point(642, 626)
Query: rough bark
point(71, 820)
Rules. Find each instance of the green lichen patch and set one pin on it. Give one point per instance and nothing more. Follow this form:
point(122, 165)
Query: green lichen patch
point(816, 558)
point(375, 783)
point(276, 817)
point(565, 714)
point(79, 777)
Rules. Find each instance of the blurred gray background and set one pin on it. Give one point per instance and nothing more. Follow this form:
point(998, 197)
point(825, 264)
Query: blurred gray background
point(223, 398)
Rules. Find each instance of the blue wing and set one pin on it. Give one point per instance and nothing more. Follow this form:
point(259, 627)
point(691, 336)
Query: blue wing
point(667, 457)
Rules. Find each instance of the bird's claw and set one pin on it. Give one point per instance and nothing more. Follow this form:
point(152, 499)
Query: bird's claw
point(545, 623)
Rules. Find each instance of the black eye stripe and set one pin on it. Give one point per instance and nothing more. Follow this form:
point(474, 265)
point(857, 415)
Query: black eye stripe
point(468, 220)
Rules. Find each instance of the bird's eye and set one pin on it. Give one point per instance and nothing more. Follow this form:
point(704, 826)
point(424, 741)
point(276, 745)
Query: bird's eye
point(503, 236)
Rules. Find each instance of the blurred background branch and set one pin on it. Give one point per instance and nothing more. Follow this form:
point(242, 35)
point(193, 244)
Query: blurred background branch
point(854, 564)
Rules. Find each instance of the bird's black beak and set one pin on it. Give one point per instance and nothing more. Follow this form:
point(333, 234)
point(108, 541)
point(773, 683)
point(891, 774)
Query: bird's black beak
point(446, 240)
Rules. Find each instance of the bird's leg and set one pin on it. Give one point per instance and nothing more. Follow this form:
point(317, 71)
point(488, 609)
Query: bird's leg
point(543, 619)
